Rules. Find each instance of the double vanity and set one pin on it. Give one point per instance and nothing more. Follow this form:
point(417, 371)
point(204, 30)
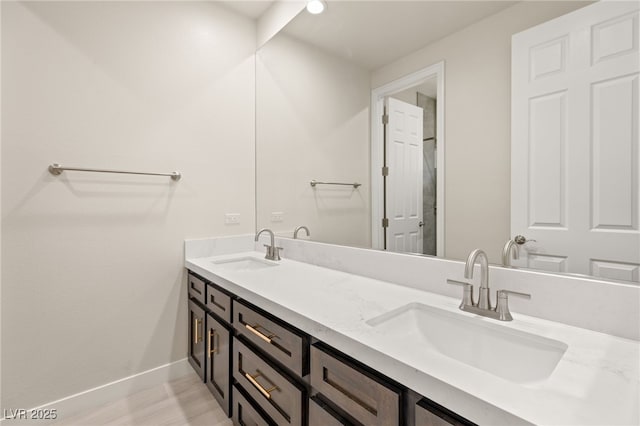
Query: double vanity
point(308, 340)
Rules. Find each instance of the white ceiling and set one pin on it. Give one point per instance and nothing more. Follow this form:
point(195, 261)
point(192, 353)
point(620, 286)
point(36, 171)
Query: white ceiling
point(374, 33)
point(250, 9)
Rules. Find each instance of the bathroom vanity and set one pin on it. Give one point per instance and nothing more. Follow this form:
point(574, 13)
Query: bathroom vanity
point(293, 342)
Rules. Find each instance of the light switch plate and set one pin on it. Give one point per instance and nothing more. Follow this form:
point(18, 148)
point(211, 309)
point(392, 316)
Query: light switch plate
point(232, 218)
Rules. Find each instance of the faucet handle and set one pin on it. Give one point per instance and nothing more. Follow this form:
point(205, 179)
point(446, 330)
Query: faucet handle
point(505, 293)
point(273, 252)
point(467, 295)
point(503, 303)
point(276, 253)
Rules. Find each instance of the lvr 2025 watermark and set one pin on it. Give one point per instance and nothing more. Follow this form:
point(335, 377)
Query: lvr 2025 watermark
point(32, 414)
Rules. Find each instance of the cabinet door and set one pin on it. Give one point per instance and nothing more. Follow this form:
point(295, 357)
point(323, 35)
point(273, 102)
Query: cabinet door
point(196, 338)
point(218, 370)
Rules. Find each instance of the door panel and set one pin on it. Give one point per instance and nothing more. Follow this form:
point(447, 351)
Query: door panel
point(404, 182)
point(575, 155)
point(196, 338)
point(218, 371)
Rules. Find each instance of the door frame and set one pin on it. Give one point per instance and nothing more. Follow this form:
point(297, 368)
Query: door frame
point(378, 95)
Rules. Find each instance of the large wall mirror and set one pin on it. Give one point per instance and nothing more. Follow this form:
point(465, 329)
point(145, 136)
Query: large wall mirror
point(445, 67)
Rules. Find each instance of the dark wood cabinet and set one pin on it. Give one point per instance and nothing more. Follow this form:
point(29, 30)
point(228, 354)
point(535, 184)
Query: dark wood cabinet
point(264, 371)
point(428, 413)
point(323, 413)
point(218, 302)
point(196, 338)
point(247, 413)
point(279, 394)
point(210, 337)
point(366, 396)
point(196, 288)
point(217, 358)
point(277, 339)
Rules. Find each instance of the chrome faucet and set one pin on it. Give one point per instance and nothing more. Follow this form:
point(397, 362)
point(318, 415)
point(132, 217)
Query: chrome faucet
point(484, 299)
point(483, 306)
point(273, 252)
point(295, 233)
point(510, 249)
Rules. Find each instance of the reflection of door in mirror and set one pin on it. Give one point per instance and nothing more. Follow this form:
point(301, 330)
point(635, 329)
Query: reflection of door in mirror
point(583, 213)
point(403, 178)
point(410, 190)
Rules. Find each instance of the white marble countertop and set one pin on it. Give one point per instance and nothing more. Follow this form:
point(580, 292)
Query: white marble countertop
point(596, 382)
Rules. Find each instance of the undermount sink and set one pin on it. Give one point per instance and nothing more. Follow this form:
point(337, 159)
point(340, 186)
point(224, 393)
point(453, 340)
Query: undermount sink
point(246, 263)
point(514, 355)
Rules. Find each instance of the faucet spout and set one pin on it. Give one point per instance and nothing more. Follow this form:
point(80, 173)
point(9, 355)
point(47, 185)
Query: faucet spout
point(484, 301)
point(299, 228)
point(270, 233)
point(273, 252)
point(510, 248)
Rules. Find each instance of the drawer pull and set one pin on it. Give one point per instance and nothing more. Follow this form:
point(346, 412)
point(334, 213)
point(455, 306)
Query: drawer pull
point(197, 336)
point(211, 351)
point(254, 382)
point(254, 330)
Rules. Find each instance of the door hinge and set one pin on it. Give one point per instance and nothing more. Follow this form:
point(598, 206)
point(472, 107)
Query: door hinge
point(385, 222)
point(385, 119)
point(385, 171)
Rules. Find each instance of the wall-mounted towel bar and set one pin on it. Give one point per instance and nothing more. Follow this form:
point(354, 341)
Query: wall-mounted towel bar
point(57, 169)
point(314, 182)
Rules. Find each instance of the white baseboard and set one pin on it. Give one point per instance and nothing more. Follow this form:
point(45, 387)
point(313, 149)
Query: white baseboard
point(109, 392)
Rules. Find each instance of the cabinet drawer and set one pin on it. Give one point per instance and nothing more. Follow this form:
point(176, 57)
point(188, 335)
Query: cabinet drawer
point(218, 361)
point(428, 413)
point(196, 288)
point(277, 339)
point(279, 395)
point(218, 302)
point(244, 412)
point(321, 414)
point(366, 397)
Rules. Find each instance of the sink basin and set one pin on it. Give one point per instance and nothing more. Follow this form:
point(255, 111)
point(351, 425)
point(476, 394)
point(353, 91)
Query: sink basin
point(514, 355)
point(246, 263)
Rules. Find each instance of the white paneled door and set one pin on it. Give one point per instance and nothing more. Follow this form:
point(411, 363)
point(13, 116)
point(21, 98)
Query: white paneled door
point(404, 182)
point(575, 155)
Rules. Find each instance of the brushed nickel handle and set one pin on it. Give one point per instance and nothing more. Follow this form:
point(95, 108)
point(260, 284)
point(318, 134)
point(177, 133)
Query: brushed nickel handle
point(254, 330)
point(254, 382)
point(503, 303)
point(515, 293)
point(521, 239)
point(467, 293)
point(211, 351)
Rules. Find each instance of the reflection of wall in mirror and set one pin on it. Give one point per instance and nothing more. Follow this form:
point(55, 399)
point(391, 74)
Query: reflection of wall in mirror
point(313, 124)
point(477, 113)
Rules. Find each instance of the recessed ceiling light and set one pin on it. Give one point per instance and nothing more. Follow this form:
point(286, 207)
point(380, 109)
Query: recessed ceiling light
point(316, 6)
